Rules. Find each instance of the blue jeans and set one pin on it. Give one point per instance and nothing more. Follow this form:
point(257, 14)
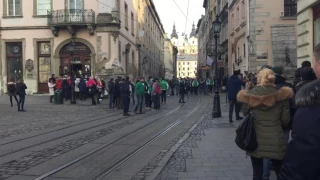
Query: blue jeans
point(139, 103)
point(266, 169)
point(21, 102)
point(111, 100)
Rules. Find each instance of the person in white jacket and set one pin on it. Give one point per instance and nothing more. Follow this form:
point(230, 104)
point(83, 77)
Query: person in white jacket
point(76, 87)
point(51, 86)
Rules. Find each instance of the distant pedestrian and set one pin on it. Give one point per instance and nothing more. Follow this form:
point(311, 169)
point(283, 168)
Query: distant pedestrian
point(234, 85)
point(51, 86)
point(92, 85)
point(164, 87)
point(156, 91)
point(111, 87)
point(21, 91)
point(140, 90)
point(125, 94)
point(12, 91)
point(182, 89)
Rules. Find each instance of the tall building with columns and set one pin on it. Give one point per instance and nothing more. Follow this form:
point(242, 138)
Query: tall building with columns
point(187, 60)
point(80, 37)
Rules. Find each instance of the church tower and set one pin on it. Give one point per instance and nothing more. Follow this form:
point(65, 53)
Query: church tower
point(193, 32)
point(174, 32)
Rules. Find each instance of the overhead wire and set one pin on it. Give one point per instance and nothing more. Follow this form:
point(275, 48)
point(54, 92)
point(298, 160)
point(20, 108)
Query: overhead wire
point(185, 28)
point(182, 11)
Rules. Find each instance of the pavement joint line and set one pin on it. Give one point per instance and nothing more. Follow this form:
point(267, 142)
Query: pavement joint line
point(169, 154)
point(83, 156)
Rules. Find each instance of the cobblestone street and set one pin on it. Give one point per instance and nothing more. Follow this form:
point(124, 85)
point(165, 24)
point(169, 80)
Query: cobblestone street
point(210, 153)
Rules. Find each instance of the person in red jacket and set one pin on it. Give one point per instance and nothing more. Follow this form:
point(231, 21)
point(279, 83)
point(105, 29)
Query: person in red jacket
point(92, 85)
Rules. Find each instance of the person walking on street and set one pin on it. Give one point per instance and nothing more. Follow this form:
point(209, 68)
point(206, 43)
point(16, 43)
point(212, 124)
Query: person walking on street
point(82, 89)
point(111, 87)
point(125, 94)
point(271, 111)
point(21, 91)
point(302, 158)
point(234, 85)
point(76, 87)
point(51, 86)
point(164, 87)
point(12, 91)
point(103, 87)
point(307, 76)
point(140, 90)
point(177, 85)
point(182, 89)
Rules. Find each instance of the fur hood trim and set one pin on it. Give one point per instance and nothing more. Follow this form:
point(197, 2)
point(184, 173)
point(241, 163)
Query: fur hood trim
point(266, 100)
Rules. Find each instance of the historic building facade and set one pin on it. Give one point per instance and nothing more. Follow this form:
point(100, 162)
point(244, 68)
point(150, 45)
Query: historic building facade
point(169, 58)
point(105, 38)
point(187, 48)
point(271, 34)
point(308, 29)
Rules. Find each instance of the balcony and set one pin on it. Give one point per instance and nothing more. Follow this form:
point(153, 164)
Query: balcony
point(71, 19)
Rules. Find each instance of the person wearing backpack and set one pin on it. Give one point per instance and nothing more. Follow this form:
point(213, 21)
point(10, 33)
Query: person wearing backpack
point(270, 110)
point(195, 86)
point(156, 91)
point(164, 87)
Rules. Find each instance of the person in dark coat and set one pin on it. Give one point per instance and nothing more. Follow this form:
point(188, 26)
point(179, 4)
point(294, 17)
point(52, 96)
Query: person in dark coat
point(234, 85)
point(21, 91)
point(182, 90)
point(65, 88)
point(126, 90)
point(12, 91)
point(112, 92)
point(82, 89)
point(298, 74)
point(302, 158)
point(307, 76)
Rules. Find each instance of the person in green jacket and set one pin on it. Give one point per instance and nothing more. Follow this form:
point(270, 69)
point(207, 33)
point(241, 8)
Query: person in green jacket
point(164, 87)
point(270, 109)
point(140, 89)
point(195, 86)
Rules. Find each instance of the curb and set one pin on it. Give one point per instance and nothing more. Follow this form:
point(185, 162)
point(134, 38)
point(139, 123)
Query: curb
point(167, 157)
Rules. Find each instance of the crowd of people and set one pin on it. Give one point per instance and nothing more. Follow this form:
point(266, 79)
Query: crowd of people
point(285, 117)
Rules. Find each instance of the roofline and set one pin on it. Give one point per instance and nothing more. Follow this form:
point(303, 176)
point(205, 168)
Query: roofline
point(205, 2)
point(157, 15)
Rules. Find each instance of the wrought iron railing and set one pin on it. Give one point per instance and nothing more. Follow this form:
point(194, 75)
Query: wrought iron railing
point(71, 16)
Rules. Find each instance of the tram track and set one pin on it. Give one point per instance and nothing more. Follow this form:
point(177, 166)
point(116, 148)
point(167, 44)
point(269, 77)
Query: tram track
point(132, 154)
point(69, 134)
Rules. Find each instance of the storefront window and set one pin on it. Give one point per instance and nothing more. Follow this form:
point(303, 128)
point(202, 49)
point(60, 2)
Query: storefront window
point(316, 25)
point(14, 60)
point(44, 61)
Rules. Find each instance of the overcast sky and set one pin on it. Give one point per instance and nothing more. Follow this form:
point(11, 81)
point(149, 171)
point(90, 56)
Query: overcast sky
point(170, 13)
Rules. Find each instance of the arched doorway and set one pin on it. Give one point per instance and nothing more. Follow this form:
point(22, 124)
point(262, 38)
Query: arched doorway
point(78, 63)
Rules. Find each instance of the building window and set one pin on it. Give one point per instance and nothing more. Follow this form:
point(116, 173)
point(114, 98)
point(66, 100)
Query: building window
point(243, 9)
point(132, 58)
point(126, 16)
point(132, 23)
point(244, 50)
point(14, 60)
point(290, 7)
point(183, 63)
point(238, 17)
point(14, 8)
point(76, 4)
point(43, 6)
point(44, 61)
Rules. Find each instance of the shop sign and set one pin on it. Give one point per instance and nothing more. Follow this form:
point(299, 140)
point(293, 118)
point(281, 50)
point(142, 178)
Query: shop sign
point(29, 65)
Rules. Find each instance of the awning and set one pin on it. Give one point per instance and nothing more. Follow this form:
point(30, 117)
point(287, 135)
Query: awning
point(206, 68)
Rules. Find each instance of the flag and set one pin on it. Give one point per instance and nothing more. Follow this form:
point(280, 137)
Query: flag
point(209, 61)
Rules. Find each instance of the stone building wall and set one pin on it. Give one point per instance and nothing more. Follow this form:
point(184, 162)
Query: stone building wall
point(284, 47)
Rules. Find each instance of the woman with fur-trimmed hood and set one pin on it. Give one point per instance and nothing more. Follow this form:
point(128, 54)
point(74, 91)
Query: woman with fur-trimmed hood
point(271, 112)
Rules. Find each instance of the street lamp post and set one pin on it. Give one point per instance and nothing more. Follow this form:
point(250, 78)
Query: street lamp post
point(216, 113)
point(72, 46)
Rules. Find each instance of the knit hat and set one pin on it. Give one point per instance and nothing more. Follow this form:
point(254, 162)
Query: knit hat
point(307, 74)
point(278, 70)
point(266, 67)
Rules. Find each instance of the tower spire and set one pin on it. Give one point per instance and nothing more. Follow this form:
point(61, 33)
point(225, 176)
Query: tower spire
point(193, 32)
point(174, 32)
